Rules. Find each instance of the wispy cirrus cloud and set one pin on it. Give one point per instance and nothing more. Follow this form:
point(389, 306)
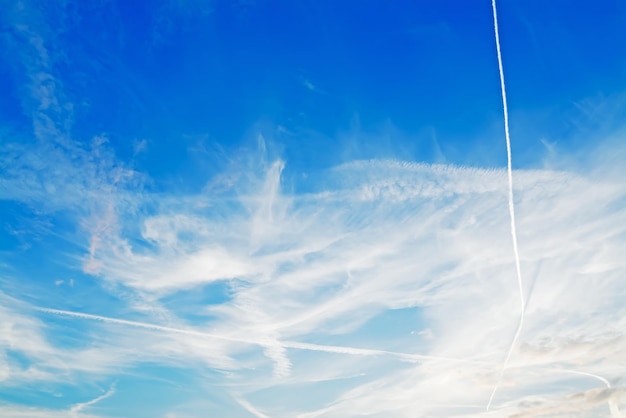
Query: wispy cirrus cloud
point(314, 272)
point(386, 288)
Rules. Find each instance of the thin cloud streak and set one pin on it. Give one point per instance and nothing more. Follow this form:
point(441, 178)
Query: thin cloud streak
point(266, 344)
point(80, 406)
point(613, 407)
point(248, 407)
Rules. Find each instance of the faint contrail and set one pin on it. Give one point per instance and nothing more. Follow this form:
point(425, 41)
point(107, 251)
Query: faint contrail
point(595, 376)
point(368, 352)
point(146, 325)
point(615, 412)
point(248, 407)
point(511, 206)
point(264, 344)
point(80, 406)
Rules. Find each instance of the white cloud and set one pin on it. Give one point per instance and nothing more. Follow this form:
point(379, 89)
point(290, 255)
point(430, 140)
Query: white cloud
point(306, 272)
point(324, 289)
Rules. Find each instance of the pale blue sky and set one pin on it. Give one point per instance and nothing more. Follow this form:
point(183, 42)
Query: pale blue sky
point(299, 208)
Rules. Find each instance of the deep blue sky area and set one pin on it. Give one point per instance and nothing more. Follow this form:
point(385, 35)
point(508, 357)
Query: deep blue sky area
point(299, 208)
point(178, 73)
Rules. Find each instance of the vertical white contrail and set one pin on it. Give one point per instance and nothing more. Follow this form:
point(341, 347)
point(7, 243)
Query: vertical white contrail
point(511, 206)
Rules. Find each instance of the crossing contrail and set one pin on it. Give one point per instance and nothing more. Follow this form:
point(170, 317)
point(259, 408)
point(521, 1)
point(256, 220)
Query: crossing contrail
point(258, 342)
point(511, 207)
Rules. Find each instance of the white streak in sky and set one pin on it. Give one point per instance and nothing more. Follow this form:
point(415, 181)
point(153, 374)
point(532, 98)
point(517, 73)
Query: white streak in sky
point(250, 408)
point(80, 406)
point(285, 344)
point(615, 412)
point(511, 206)
point(595, 376)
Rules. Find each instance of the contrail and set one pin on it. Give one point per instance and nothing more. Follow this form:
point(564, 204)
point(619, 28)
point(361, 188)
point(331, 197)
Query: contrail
point(146, 325)
point(368, 352)
point(264, 344)
point(615, 412)
point(595, 376)
point(80, 406)
point(511, 207)
point(248, 407)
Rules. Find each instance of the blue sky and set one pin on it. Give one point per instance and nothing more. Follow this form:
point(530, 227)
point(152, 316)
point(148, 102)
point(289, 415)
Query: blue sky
point(299, 209)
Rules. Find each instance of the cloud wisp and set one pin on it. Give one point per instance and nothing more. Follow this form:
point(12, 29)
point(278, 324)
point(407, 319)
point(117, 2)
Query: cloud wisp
point(80, 406)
